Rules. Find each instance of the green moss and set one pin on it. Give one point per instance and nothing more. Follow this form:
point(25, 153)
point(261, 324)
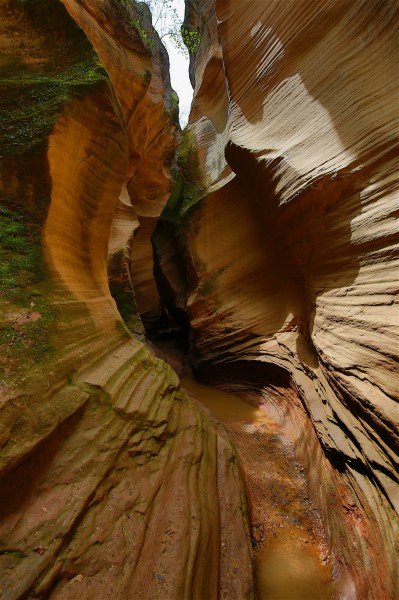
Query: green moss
point(23, 289)
point(209, 285)
point(174, 100)
point(123, 293)
point(30, 341)
point(31, 101)
point(147, 76)
point(20, 254)
point(191, 185)
point(124, 299)
point(40, 333)
point(137, 15)
point(31, 96)
point(146, 35)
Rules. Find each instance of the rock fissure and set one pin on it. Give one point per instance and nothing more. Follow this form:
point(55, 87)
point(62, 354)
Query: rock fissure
point(269, 236)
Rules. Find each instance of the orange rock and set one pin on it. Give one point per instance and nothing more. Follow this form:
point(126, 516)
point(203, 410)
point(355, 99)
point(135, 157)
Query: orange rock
point(291, 255)
point(111, 478)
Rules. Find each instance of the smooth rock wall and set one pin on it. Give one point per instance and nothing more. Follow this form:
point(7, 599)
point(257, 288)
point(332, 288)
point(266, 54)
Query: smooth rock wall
point(111, 479)
point(292, 254)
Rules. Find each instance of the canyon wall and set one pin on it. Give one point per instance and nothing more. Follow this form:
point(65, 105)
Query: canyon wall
point(289, 277)
point(111, 479)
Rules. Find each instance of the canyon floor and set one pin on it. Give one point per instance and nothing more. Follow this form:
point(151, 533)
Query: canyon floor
point(291, 554)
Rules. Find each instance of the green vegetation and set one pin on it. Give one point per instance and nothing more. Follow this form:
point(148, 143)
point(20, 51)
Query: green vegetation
point(175, 100)
point(32, 339)
point(23, 290)
point(20, 253)
point(167, 23)
point(191, 39)
point(123, 293)
point(146, 34)
point(137, 15)
point(191, 185)
point(30, 100)
point(32, 95)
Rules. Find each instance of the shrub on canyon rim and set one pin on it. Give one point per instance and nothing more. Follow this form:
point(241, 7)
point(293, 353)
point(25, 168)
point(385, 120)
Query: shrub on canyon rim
point(167, 22)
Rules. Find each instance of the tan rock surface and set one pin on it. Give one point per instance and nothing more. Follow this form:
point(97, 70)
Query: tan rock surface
point(141, 82)
point(113, 482)
point(292, 254)
point(122, 495)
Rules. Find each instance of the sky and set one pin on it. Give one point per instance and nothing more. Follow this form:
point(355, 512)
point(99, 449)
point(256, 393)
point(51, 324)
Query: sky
point(178, 66)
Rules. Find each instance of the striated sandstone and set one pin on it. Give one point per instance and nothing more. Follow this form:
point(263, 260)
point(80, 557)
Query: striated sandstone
point(111, 478)
point(291, 265)
point(143, 89)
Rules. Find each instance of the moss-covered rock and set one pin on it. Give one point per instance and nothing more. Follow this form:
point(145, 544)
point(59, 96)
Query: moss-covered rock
point(191, 183)
point(32, 93)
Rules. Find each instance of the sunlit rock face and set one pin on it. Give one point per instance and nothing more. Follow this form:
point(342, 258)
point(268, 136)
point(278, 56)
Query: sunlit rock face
point(141, 82)
point(292, 254)
point(111, 479)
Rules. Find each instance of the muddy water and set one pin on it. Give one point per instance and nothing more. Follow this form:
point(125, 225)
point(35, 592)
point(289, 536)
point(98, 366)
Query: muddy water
point(226, 407)
point(290, 554)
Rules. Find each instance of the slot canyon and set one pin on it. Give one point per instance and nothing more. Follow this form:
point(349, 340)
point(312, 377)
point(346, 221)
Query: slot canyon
point(199, 327)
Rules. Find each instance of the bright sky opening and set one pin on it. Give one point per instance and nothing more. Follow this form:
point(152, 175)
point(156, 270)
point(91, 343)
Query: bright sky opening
point(178, 63)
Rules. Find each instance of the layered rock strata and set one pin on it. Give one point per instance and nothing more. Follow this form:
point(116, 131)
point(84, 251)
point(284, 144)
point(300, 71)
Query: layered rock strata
point(291, 269)
point(111, 479)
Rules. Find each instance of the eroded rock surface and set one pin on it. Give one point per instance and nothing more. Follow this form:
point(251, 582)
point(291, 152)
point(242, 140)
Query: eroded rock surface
point(291, 269)
point(113, 482)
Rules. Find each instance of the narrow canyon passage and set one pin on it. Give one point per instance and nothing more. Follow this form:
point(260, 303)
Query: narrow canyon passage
point(291, 555)
point(255, 250)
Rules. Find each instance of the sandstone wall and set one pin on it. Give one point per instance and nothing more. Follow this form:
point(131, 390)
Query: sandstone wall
point(111, 479)
point(292, 254)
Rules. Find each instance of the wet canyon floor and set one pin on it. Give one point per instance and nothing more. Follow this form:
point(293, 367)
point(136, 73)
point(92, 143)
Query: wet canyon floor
point(291, 556)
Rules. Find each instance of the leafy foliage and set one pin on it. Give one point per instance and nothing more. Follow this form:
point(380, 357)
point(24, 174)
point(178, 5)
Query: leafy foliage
point(167, 22)
point(175, 100)
point(31, 95)
point(191, 39)
point(145, 34)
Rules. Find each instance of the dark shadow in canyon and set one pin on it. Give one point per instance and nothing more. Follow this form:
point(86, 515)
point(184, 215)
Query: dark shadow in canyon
point(168, 242)
point(310, 241)
point(294, 238)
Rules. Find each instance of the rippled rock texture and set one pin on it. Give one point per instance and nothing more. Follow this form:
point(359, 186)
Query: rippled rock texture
point(112, 481)
point(291, 255)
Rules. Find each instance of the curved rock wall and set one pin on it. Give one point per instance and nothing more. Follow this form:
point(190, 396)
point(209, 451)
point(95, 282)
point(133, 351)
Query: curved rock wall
point(292, 253)
point(141, 81)
point(110, 477)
